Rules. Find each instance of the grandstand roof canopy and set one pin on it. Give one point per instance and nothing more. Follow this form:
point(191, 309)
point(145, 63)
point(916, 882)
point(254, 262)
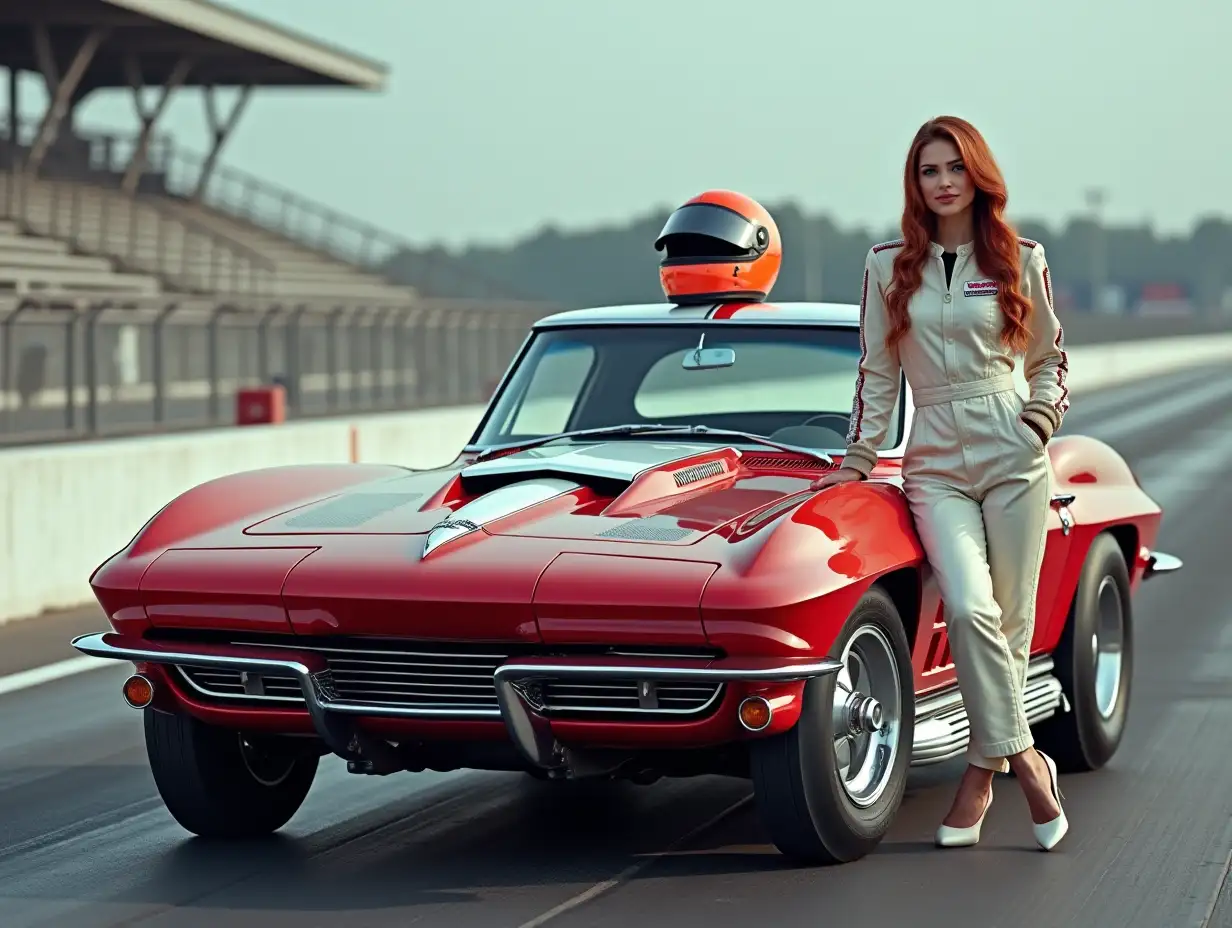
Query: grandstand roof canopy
point(228, 48)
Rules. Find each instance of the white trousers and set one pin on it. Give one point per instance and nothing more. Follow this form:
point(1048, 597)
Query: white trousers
point(979, 483)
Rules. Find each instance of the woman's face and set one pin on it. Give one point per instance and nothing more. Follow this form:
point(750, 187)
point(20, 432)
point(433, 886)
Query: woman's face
point(944, 181)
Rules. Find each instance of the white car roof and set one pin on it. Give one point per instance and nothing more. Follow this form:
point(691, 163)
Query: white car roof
point(796, 313)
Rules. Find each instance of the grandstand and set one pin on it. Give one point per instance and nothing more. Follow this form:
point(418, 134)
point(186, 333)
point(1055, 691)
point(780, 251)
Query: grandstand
point(127, 231)
point(136, 215)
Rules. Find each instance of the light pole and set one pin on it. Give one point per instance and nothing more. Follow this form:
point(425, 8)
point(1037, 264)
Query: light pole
point(812, 262)
point(1096, 198)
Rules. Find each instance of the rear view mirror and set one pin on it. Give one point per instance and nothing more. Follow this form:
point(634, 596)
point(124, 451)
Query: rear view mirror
point(702, 358)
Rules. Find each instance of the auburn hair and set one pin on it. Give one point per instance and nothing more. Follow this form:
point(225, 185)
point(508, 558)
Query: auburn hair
point(996, 241)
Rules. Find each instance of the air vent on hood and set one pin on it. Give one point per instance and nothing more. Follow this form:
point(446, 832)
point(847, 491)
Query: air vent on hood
point(652, 528)
point(351, 510)
point(781, 462)
point(698, 472)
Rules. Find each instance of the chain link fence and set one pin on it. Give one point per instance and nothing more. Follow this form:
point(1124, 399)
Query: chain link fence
point(110, 367)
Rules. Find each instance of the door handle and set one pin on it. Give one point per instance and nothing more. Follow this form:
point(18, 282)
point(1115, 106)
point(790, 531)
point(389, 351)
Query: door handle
point(1061, 502)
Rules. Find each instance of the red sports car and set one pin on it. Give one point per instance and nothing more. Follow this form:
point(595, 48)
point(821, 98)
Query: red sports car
point(624, 574)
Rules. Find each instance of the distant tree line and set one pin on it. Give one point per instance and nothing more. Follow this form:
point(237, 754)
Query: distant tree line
point(618, 264)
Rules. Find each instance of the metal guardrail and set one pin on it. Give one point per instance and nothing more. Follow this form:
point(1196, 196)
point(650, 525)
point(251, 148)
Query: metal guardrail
point(106, 366)
point(117, 366)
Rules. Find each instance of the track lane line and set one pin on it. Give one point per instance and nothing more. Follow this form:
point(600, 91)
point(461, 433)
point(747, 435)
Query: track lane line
point(599, 889)
point(37, 676)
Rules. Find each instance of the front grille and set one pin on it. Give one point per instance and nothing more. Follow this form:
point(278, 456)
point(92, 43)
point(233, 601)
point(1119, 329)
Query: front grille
point(562, 697)
point(215, 681)
point(419, 677)
point(454, 677)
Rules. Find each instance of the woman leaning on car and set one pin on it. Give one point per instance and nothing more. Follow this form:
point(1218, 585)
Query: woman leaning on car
point(951, 304)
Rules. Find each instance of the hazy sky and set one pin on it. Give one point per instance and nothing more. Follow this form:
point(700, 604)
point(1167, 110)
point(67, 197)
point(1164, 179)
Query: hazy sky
point(504, 115)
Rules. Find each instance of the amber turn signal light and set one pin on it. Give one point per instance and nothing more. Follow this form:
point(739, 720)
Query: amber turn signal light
point(138, 691)
point(755, 713)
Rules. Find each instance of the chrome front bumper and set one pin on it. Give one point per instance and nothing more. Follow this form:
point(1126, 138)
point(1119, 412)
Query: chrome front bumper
point(526, 719)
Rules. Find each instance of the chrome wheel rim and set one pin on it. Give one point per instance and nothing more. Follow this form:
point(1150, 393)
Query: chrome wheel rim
point(268, 768)
point(1108, 646)
point(866, 715)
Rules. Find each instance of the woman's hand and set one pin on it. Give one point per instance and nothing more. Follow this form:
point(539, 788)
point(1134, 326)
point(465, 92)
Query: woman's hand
point(1035, 428)
point(842, 475)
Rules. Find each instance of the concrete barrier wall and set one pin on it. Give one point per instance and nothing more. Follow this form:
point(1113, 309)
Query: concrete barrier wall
point(66, 508)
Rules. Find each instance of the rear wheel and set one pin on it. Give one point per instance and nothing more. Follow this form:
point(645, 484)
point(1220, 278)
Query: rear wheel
point(221, 784)
point(1094, 662)
point(829, 788)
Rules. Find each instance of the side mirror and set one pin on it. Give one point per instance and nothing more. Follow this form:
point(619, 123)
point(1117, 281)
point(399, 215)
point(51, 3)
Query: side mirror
point(702, 358)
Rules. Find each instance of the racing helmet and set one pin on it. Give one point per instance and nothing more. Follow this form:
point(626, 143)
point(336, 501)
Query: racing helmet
point(720, 245)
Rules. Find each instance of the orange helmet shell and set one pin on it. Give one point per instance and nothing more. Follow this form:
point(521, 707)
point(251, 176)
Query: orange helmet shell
point(719, 246)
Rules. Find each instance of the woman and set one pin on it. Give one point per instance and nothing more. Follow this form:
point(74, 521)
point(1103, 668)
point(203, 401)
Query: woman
point(952, 304)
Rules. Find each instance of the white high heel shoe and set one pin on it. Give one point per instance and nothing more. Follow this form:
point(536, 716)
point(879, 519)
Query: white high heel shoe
point(949, 836)
point(1049, 834)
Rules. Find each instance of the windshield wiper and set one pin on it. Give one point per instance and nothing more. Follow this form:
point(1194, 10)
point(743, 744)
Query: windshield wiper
point(656, 428)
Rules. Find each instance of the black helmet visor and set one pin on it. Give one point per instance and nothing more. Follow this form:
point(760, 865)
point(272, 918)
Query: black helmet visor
point(715, 222)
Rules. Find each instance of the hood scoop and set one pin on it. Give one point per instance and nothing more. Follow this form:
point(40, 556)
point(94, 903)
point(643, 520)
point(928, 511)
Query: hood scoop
point(497, 504)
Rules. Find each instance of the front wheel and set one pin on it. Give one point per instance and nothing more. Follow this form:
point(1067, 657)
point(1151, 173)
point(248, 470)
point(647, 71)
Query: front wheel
point(220, 784)
point(1094, 662)
point(829, 788)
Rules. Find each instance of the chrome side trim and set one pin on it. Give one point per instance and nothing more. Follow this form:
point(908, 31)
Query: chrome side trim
point(1160, 563)
point(530, 725)
point(943, 730)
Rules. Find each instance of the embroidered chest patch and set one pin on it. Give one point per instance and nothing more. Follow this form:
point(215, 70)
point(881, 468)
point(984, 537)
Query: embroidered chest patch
point(980, 288)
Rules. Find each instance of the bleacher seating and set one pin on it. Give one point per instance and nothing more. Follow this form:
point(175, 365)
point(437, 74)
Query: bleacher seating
point(298, 271)
point(85, 236)
point(32, 265)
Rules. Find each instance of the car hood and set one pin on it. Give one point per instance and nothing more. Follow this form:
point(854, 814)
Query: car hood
point(647, 492)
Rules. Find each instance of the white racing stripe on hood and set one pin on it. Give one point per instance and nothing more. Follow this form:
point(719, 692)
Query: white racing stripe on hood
point(501, 502)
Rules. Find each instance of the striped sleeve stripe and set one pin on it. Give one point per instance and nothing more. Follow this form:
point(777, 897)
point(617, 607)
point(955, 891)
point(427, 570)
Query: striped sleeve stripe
point(857, 404)
point(1062, 403)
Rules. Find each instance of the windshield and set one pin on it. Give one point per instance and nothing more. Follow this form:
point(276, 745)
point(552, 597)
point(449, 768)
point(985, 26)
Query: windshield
point(794, 384)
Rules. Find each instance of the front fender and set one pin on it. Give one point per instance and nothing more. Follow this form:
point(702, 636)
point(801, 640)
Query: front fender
point(211, 506)
point(793, 593)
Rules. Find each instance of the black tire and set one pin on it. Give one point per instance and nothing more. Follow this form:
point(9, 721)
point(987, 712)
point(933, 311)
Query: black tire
point(797, 783)
point(1083, 738)
point(210, 788)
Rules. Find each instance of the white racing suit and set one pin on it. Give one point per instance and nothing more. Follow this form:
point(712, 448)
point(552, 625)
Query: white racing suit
point(975, 474)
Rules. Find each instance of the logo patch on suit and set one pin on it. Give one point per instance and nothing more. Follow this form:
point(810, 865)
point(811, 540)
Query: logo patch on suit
point(980, 288)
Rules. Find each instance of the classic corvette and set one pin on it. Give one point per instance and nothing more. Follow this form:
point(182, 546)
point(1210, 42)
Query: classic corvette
point(624, 574)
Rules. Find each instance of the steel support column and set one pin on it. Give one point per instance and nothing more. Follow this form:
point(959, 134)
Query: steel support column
point(149, 118)
point(61, 89)
point(220, 132)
